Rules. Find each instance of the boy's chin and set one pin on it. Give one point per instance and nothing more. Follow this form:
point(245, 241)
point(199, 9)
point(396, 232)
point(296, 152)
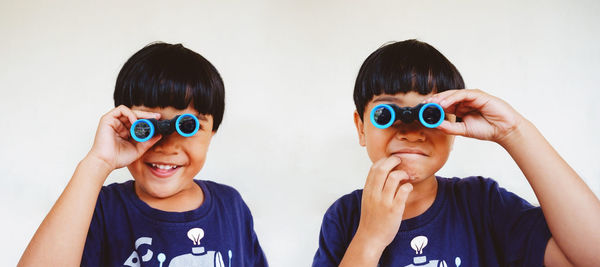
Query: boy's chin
point(410, 167)
point(156, 191)
point(159, 188)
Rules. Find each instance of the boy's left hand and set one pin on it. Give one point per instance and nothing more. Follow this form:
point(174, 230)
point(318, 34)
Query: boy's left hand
point(483, 116)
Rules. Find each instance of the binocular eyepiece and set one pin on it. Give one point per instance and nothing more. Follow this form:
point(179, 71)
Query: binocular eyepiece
point(144, 129)
point(430, 115)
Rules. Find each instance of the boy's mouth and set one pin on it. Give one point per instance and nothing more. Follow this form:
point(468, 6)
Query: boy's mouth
point(409, 151)
point(163, 170)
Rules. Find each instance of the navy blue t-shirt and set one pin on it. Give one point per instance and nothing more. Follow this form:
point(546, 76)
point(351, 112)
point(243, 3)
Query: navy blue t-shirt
point(472, 222)
point(125, 231)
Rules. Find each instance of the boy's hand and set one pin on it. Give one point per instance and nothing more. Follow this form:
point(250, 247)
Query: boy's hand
point(113, 143)
point(483, 116)
point(383, 201)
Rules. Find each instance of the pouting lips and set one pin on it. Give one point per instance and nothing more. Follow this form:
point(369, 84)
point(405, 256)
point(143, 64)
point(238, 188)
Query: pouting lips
point(409, 151)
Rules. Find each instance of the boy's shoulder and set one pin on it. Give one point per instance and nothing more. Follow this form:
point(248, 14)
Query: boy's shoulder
point(471, 183)
point(117, 189)
point(219, 190)
point(470, 187)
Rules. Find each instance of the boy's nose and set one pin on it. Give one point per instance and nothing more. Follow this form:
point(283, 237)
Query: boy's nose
point(412, 132)
point(168, 144)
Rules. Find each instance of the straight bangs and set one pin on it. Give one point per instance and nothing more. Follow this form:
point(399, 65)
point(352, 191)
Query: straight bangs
point(171, 77)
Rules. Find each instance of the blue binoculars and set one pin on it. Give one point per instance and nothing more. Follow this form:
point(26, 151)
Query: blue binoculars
point(144, 129)
point(430, 115)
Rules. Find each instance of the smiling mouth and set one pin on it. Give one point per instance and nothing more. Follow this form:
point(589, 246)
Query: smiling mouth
point(163, 170)
point(165, 167)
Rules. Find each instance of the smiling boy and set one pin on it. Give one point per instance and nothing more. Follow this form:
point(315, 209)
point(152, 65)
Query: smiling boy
point(163, 217)
point(408, 216)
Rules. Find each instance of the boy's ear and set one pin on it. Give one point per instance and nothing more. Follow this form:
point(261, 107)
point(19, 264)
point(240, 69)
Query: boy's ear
point(360, 128)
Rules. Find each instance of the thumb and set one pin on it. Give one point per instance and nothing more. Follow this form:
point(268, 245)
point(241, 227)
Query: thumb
point(453, 128)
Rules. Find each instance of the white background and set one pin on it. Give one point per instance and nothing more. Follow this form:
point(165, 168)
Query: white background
point(287, 143)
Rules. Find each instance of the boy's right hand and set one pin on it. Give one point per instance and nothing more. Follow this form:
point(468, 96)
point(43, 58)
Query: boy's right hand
point(113, 143)
point(383, 201)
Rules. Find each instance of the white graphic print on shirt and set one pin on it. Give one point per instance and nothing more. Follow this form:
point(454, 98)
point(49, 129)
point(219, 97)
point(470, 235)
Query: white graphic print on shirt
point(418, 244)
point(199, 257)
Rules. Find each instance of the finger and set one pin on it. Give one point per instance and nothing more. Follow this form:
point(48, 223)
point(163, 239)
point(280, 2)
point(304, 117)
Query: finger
point(402, 195)
point(474, 99)
point(125, 121)
point(448, 98)
point(453, 128)
point(124, 133)
point(122, 112)
point(392, 183)
point(132, 115)
point(118, 126)
point(379, 172)
point(146, 114)
point(139, 115)
point(461, 109)
point(435, 98)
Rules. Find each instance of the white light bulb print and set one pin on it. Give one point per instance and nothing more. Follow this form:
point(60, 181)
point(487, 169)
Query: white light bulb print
point(195, 234)
point(418, 243)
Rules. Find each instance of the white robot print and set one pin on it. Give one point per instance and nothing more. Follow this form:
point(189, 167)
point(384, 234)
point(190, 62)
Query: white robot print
point(418, 244)
point(199, 256)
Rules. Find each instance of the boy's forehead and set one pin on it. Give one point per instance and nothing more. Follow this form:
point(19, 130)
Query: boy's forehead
point(401, 99)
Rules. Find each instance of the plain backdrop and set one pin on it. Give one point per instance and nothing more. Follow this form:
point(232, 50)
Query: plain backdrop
point(288, 141)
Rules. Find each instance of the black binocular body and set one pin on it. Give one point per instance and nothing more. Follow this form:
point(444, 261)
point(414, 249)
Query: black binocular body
point(144, 129)
point(429, 115)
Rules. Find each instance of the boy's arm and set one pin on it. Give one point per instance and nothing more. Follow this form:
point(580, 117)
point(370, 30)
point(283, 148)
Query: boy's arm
point(60, 239)
point(571, 209)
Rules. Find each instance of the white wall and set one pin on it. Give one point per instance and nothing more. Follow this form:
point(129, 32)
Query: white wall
point(289, 70)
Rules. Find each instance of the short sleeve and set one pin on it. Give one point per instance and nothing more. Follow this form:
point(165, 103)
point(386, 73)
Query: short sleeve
point(519, 228)
point(337, 230)
point(258, 257)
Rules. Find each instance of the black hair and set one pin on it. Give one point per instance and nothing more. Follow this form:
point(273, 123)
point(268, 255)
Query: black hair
point(402, 67)
point(170, 75)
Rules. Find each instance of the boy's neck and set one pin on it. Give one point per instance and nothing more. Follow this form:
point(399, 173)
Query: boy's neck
point(421, 198)
point(187, 199)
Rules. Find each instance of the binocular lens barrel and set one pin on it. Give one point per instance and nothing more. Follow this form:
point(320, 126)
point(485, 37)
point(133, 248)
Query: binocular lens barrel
point(383, 116)
point(187, 125)
point(430, 115)
point(144, 129)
